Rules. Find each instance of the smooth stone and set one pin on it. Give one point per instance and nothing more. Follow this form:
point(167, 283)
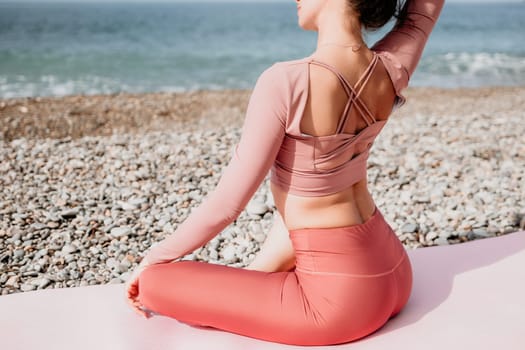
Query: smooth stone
point(137, 201)
point(15, 237)
point(270, 201)
point(228, 254)
point(90, 203)
point(125, 276)
point(259, 237)
point(462, 234)
point(214, 243)
point(12, 281)
point(409, 228)
point(76, 164)
point(480, 232)
point(405, 197)
point(44, 282)
point(213, 254)
point(120, 231)
point(19, 253)
point(53, 224)
point(94, 250)
point(82, 263)
point(30, 273)
point(69, 248)
point(239, 251)
point(69, 214)
point(26, 287)
point(37, 226)
point(123, 268)
point(89, 275)
point(127, 206)
point(422, 199)
point(257, 208)
point(441, 240)
point(431, 236)
point(112, 263)
point(437, 193)
point(125, 261)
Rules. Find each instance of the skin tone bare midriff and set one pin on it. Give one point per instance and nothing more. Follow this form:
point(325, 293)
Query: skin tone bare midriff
point(351, 206)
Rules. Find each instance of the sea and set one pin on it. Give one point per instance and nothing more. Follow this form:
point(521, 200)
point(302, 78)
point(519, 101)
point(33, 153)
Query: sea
point(66, 48)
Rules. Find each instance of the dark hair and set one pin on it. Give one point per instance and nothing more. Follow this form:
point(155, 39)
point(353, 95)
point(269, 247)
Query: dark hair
point(373, 14)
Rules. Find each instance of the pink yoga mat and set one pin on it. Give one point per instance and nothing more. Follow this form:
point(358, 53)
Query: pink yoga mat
point(465, 296)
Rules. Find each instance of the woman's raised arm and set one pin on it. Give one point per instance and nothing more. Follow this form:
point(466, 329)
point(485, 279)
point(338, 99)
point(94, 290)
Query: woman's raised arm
point(404, 44)
point(252, 158)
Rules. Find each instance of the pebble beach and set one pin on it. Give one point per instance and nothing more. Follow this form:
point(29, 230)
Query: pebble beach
point(89, 183)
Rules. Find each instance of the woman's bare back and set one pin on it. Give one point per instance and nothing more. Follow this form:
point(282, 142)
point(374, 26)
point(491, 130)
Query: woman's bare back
point(324, 106)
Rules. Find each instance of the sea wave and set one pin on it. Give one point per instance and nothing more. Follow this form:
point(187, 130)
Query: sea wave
point(471, 69)
point(51, 85)
point(448, 70)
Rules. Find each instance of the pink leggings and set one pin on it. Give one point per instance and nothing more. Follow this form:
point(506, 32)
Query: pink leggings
point(347, 282)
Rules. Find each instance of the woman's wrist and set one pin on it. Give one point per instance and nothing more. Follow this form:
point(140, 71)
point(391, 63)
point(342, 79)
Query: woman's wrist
point(157, 255)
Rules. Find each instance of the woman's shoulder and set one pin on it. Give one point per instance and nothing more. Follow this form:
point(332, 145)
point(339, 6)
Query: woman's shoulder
point(287, 72)
point(284, 82)
point(293, 64)
point(281, 66)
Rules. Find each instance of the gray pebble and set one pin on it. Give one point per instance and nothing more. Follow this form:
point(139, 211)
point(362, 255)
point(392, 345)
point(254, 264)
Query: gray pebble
point(26, 287)
point(228, 254)
point(480, 232)
point(53, 224)
point(127, 206)
point(19, 253)
point(90, 203)
point(69, 248)
point(76, 164)
point(442, 241)
point(120, 231)
point(213, 254)
point(69, 214)
point(111, 263)
point(256, 208)
point(409, 228)
point(12, 281)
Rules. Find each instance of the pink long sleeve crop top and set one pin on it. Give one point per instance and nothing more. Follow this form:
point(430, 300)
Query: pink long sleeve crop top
point(301, 164)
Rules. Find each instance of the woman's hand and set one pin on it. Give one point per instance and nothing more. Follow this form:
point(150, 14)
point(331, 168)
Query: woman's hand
point(132, 290)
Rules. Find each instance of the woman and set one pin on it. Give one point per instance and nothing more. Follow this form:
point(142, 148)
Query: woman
point(331, 270)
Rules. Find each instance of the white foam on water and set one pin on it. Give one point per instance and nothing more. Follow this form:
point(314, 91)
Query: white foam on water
point(449, 70)
point(51, 85)
point(471, 69)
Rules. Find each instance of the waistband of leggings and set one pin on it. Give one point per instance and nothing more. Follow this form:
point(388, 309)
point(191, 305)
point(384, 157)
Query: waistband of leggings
point(403, 257)
point(376, 219)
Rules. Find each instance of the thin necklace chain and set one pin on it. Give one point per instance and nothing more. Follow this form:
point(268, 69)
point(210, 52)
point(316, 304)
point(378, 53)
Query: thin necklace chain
point(355, 47)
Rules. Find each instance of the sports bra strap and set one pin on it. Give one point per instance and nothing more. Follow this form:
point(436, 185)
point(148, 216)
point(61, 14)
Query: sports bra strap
point(347, 87)
point(358, 102)
point(366, 77)
point(353, 96)
point(366, 74)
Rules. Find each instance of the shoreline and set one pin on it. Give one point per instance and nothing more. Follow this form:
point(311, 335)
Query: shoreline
point(103, 115)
